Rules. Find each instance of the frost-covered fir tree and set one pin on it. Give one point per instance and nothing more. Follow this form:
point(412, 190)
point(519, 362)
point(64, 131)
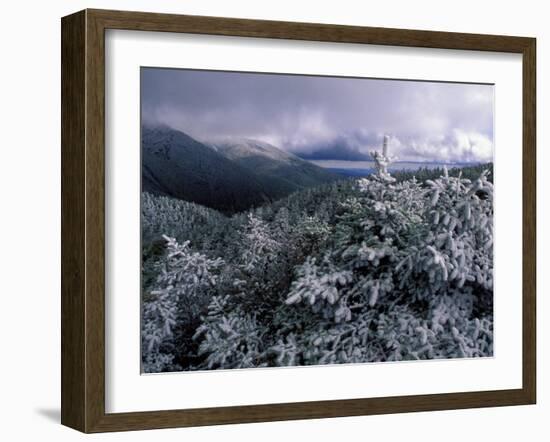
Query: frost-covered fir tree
point(172, 308)
point(420, 260)
point(260, 247)
point(382, 161)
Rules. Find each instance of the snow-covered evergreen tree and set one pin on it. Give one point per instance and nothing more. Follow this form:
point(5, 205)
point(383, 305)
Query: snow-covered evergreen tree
point(180, 295)
point(381, 161)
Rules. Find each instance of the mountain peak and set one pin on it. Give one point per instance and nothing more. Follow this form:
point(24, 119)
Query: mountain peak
point(237, 148)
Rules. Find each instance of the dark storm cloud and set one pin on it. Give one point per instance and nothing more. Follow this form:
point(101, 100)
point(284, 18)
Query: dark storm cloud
point(320, 117)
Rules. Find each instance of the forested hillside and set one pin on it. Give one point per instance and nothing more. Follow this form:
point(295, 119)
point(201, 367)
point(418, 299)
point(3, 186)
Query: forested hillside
point(229, 177)
point(279, 170)
point(345, 272)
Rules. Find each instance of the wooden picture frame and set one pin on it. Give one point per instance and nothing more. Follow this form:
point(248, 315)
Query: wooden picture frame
point(83, 220)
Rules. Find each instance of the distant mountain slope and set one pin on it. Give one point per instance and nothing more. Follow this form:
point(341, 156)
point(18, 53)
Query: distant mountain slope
point(281, 171)
point(177, 165)
point(230, 177)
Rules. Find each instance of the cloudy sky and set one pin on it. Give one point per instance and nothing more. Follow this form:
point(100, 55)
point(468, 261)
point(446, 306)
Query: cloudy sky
point(325, 117)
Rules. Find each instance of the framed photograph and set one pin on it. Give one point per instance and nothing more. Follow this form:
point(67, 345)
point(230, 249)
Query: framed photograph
point(267, 220)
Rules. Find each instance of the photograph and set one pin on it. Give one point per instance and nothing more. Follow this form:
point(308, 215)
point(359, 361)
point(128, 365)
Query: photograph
point(293, 220)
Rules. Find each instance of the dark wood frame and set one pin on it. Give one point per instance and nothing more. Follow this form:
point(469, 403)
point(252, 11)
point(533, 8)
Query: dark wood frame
point(83, 216)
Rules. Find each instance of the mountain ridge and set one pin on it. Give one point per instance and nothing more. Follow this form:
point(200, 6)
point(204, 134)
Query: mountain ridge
point(230, 177)
point(283, 169)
